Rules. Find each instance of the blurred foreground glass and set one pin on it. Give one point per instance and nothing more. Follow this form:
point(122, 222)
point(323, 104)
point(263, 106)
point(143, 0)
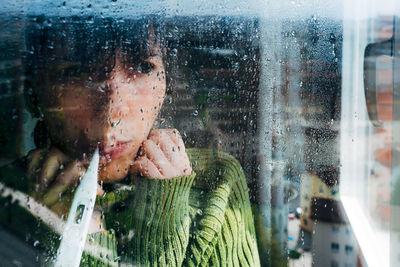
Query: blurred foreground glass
point(370, 113)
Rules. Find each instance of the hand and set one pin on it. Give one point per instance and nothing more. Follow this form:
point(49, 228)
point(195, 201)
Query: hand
point(162, 156)
point(55, 177)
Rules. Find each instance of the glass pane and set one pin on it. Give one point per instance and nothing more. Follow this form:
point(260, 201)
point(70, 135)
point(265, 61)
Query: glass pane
point(369, 114)
point(215, 133)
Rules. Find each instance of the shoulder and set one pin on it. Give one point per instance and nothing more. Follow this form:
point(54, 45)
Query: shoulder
point(204, 160)
point(218, 171)
point(221, 211)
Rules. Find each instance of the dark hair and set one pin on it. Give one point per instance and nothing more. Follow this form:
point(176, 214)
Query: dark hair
point(60, 47)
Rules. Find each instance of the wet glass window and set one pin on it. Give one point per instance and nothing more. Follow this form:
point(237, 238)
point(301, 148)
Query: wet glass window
point(212, 133)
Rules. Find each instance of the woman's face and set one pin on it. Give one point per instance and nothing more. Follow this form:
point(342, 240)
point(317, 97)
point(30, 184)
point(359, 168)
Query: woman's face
point(115, 115)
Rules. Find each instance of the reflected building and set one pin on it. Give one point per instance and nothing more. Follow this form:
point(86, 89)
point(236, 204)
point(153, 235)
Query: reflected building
point(15, 138)
point(334, 243)
point(216, 68)
point(321, 185)
point(215, 103)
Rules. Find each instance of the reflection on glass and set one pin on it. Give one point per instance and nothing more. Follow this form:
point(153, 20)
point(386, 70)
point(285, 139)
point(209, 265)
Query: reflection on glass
point(97, 82)
point(246, 139)
point(369, 125)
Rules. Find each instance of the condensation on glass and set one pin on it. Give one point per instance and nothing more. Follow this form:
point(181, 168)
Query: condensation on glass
point(229, 133)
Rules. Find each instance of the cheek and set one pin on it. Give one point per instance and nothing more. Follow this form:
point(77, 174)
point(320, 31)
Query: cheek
point(74, 117)
point(144, 97)
point(143, 110)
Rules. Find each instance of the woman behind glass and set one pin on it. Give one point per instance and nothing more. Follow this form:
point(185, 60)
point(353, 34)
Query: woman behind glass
point(97, 82)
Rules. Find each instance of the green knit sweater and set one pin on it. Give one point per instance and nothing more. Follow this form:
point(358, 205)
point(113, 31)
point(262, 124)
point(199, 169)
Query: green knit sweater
point(201, 219)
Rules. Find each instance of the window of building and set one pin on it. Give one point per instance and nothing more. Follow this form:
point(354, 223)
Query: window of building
point(348, 231)
point(349, 249)
point(335, 247)
point(321, 189)
point(334, 192)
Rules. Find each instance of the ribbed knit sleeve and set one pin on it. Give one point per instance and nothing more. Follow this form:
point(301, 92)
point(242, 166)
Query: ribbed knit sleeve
point(100, 250)
point(156, 221)
point(204, 219)
point(223, 231)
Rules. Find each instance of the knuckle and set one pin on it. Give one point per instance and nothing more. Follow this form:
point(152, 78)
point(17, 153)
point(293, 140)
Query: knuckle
point(36, 154)
point(140, 163)
point(155, 132)
point(174, 132)
point(147, 146)
point(159, 135)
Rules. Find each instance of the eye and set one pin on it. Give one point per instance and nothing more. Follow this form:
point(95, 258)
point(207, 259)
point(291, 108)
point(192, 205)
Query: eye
point(145, 67)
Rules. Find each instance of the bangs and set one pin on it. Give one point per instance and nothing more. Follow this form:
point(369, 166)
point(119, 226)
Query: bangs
point(78, 46)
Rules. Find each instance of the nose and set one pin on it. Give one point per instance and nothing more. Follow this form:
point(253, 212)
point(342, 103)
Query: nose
point(109, 139)
point(117, 110)
point(114, 123)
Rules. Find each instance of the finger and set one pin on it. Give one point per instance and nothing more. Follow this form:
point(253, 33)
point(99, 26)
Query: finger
point(54, 194)
point(62, 207)
point(167, 146)
point(181, 157)
point(177, 158)
point(51, 165)
point(155, 154)
point(174, 133)
point(72, 174)
point(171, 143)
point(100, 191)
point(68, 177)
point(177, 139)
point(35, 157)
point(146, 168)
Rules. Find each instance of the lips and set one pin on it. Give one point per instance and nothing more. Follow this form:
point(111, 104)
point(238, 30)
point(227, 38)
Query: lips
point(112, 152)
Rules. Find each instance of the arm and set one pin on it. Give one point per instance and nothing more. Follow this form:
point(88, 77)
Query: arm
point(23, 219)
point(157, 221)
point(154, 220)
point(223, 233)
